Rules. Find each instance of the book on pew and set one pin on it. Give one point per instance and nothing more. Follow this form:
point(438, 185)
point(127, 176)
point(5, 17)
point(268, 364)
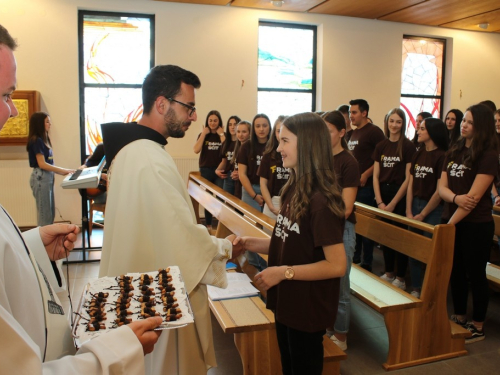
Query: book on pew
point(239, 286)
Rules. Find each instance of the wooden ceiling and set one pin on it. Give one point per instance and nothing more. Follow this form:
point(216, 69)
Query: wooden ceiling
point(456, 14)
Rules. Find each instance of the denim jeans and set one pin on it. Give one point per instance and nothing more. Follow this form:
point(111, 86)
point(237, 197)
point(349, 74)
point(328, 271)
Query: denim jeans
point(209, 174)
point(433, 218)
point(367, 196)
point(228, 185)
point(42, 185)
point(344, 310)
point(254, 259)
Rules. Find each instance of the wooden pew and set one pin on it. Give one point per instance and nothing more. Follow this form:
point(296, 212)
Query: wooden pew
point(247, 318)
point(493, 270)
point(418, 328)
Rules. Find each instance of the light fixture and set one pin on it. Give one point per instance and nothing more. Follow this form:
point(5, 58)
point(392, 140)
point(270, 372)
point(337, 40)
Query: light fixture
point(484, 25)
point(277, 3)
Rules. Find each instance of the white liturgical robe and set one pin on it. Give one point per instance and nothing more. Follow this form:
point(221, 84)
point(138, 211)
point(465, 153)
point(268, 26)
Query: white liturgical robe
point(34, 333)
point(150, 224)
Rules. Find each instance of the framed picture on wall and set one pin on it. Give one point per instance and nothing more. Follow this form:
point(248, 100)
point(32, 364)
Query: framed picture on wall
point(15, 131)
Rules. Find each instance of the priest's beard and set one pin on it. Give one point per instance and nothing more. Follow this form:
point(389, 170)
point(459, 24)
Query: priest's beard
point(174, 125)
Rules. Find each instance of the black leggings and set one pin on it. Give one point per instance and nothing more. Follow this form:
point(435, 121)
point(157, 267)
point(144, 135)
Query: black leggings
point(388, 192)
point(301, 352)
point(472, 251)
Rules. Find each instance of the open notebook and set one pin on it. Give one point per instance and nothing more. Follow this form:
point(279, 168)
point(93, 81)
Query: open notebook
point(84, 178)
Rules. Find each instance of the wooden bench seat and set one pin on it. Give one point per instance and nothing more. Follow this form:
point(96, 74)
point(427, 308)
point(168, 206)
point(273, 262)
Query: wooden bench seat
point(419, 330)
point(247, 318)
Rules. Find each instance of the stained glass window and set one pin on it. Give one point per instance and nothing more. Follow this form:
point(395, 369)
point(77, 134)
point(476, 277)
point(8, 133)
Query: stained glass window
point(286, 69)
point(116, 53)
point(422, 78)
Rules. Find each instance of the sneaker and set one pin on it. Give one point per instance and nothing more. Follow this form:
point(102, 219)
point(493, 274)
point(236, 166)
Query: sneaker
point(415, 294)
point(476, 334)
point(387, 278)
point(455, 319)
point(341, 344)
point(399, 284)
point(329, 333)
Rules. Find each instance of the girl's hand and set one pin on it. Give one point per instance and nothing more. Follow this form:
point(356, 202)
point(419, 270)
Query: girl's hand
point(381, 206)
point(274, 210)
point(465, 201)
point(389, 208)
point(497, 200)
point(235, 175)
point(259, 200)
point(409, 215)
point(219, 172)
point(205, 130)
point(270, 277)
point(67, 171)
point(419, 217)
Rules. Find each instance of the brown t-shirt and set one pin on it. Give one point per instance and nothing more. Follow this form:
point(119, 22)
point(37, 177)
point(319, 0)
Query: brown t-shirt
point(210, 151)
point(347, 172)
point(497, 179)
point(274, 172)
point(426, 168)
point(362, 144)
point(251, 161)
point(348, 135)
point(461, 178)
point(227, 153)
point(392, 166)
point(308, 306)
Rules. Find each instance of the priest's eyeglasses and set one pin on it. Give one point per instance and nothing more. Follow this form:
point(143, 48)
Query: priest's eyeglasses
point(191, 108)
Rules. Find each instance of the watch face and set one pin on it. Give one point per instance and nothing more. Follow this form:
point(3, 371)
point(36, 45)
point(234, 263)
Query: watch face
point(289, 273)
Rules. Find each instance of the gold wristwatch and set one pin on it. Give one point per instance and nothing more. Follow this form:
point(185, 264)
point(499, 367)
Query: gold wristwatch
point(289, 273)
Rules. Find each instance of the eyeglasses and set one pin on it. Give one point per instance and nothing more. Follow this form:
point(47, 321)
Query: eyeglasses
point(191, 108)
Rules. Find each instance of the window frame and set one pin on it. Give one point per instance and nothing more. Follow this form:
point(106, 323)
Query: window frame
point(82, 85)
point(312, 91)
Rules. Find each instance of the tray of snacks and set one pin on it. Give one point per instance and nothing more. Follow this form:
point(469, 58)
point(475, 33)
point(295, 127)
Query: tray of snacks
point(110, 302)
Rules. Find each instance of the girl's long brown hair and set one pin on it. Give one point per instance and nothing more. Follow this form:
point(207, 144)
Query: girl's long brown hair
point(314, 167)
point(37, 129)
point(484, 138)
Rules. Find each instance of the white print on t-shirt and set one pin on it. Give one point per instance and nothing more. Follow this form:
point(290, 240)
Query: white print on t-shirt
point(456, 170)
point(259, 158)
point(352, 145)
point(282, 173)
point(282, 223)
point(421, 171)
point(229, 155)
point(213, 145)
point(389, 161)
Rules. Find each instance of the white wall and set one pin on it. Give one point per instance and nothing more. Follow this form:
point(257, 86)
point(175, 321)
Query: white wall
point(358, 59)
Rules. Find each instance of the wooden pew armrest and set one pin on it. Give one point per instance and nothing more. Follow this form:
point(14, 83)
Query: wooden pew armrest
point(379, 294)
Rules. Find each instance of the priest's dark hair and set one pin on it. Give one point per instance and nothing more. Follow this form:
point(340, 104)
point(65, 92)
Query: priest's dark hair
point(165, 80)
point(6, 39)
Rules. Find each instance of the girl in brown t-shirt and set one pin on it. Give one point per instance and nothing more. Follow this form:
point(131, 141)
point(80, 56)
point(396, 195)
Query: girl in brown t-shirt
point(306, 254)
point(423, 202)
point(391, 174)
point(243, 130)
point(453, 120)
point(208, 145)
point(468, 172)
point(347, 173)
point(273, 176)
point(224, 169)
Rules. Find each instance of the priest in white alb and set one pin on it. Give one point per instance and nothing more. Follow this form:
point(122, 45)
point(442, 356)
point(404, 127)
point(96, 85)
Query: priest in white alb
point(150, 221)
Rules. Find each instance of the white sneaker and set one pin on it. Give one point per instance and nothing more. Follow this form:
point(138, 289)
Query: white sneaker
point(399, 284)
point(415, 294)
point(329, 333)
point(387, 278)
point(341, 344)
